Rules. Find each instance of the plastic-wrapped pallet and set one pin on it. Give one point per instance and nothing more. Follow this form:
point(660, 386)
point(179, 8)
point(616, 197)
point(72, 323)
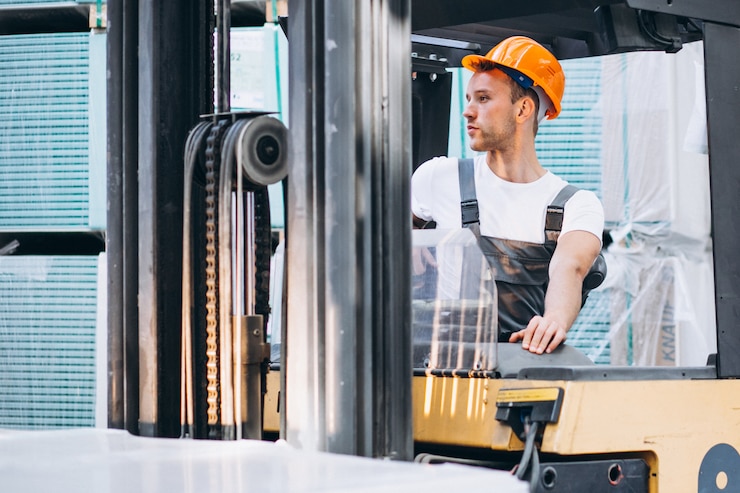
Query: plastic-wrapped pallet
point(658, 309)
point(656, 201)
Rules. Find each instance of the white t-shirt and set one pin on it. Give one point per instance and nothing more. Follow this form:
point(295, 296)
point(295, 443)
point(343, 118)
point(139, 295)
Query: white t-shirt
point(511, 211)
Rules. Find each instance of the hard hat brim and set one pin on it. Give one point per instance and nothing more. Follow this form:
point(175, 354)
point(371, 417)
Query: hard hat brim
point(470, 61)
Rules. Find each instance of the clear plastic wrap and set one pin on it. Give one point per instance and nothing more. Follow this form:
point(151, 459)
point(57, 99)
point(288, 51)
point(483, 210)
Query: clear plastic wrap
point(454, 303)
point(656, 307)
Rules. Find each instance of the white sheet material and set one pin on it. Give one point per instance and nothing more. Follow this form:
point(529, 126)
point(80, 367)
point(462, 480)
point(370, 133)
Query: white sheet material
point(114, 461)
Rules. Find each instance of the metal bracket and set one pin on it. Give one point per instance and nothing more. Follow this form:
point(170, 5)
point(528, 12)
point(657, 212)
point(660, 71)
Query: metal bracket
point(254, 349)
point(539, 404)
point(719, 11)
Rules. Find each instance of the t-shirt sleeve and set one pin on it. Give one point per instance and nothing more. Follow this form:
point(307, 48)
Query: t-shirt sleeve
point(422, 186)
point(584, 212)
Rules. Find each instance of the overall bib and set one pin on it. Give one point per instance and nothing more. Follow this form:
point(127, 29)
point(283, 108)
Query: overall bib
point(520, 268)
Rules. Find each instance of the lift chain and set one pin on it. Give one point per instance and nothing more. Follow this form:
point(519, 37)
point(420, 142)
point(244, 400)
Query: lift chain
point(263, 252)
point(213, 158)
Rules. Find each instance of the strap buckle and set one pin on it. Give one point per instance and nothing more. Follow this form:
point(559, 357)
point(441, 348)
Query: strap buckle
point(554, 218)
point(470, 214)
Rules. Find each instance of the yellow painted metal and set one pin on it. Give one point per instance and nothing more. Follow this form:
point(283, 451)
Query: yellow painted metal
point(462, 409)
point(671, 424)
point(271, 415)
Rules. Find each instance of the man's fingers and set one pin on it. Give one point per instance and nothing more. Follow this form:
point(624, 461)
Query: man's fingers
point(428, 257)
point(421, 258)
point(547, 334)
point(530, 332)
point(557, 339)
point(540, 336)
point(416, 262)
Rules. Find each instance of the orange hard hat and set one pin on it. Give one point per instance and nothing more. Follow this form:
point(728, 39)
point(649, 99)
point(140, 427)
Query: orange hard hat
point(519, 55)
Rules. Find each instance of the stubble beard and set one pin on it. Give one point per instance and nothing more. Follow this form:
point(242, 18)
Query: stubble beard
point(499, 138)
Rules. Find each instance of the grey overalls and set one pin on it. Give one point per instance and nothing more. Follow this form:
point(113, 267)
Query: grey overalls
point(520, 267)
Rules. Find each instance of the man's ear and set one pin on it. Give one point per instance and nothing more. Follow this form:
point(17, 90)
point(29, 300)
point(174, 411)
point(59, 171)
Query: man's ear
point(526, 108)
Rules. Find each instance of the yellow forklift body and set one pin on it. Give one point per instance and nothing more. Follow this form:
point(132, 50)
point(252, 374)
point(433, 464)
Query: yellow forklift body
point(670, 424)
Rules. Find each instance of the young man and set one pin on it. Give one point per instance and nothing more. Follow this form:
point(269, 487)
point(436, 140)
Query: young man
point(539, 279)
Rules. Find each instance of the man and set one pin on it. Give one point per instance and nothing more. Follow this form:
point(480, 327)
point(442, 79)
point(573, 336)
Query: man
point(539, 280)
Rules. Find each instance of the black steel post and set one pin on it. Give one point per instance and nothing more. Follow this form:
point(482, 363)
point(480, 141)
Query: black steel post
point(391, 229)
point(121, 228)
point(306, 101)
point(114, 229)
point(174, 45)
point(129, 112)
point(722, 81)
point(223, 60)
point(349, 367)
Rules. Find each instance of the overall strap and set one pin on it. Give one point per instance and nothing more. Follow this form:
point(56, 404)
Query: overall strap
point(553, 226)
point(554, 218)
point(468, 198)
point(470, 215)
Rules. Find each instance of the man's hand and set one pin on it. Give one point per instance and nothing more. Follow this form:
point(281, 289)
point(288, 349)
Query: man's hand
point(421, 257)
point(541, 335)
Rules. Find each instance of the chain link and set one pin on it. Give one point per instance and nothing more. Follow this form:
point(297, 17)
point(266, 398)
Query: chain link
point(213, 158)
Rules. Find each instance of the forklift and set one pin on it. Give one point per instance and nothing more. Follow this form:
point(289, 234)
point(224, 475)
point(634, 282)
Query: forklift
point(561, 423)
point(596, 427)
point(352, 376)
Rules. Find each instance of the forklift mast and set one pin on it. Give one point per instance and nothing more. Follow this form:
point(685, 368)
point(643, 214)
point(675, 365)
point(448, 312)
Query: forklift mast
point(357, 131)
